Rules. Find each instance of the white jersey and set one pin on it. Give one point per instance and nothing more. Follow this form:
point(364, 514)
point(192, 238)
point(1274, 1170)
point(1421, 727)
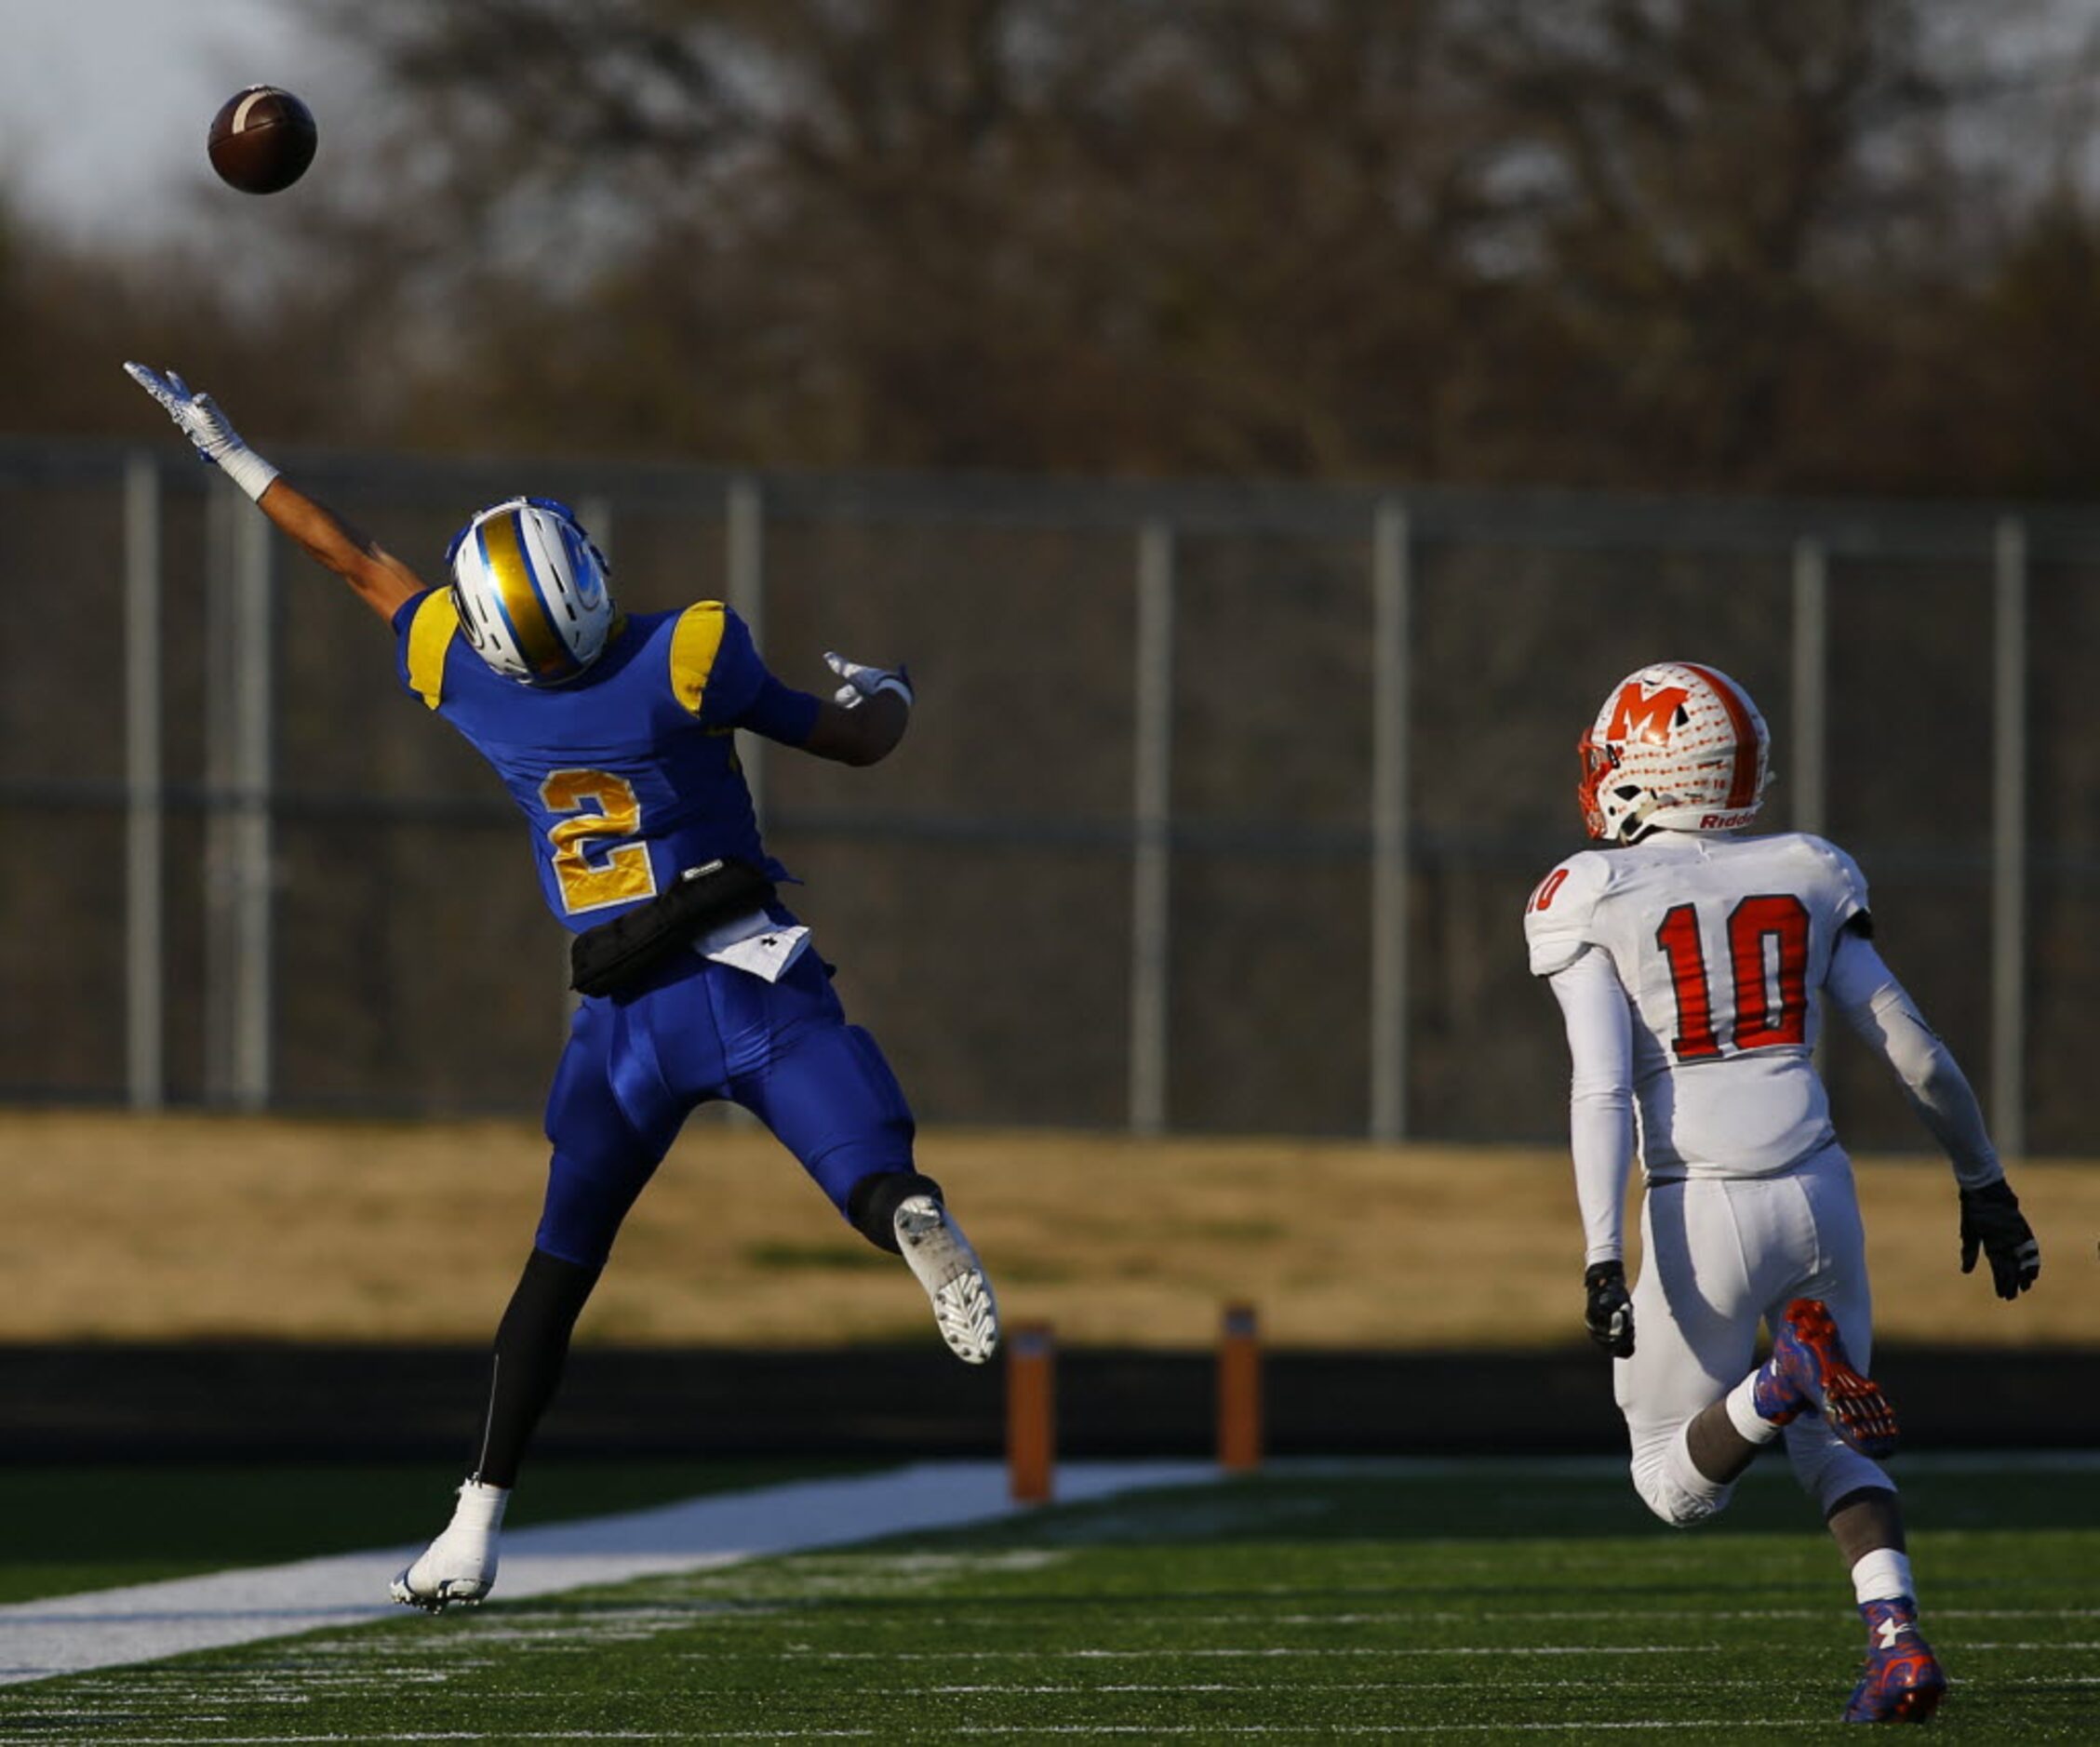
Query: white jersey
point(1721, 944)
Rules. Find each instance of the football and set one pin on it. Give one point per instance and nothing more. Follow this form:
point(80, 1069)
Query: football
point(263, 139)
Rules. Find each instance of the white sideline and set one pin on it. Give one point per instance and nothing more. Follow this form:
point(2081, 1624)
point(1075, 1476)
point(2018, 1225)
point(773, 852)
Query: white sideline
point(144, 1622)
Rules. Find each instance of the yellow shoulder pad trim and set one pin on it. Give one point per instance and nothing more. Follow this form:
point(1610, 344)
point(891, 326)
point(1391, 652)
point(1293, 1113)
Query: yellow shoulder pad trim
point(430, 635)
point(695, 642)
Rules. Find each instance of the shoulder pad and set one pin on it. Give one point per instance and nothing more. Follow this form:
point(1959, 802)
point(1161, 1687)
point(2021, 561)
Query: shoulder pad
point(1846, 885)
point(1557, 915)
point(696, 640)
point(433, 622)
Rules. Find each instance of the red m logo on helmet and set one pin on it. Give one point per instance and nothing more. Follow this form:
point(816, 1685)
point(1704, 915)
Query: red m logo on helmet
point(1640, 715)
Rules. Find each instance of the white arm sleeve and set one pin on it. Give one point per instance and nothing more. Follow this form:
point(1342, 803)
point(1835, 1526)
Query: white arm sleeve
point(1599, 1024)
point(1877, 1006)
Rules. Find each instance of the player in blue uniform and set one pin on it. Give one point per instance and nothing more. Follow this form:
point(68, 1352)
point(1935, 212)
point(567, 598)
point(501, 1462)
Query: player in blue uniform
point(615, 735)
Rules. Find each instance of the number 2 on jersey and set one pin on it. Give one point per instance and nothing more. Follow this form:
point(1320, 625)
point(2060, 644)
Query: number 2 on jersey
point(621, 872)
point(1772, 1000)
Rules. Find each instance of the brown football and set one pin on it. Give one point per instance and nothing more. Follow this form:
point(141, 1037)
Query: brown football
point(263, 139)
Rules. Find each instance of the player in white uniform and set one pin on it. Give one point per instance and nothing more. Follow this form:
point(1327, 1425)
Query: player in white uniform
point(1686, 960)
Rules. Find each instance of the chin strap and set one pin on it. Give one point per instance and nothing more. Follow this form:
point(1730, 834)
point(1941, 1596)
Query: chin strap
point(1635, 826)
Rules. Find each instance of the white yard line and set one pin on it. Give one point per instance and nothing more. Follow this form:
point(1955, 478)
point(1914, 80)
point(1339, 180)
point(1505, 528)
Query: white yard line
point(1976, 1462)
point(1281, 1653)
point(966, 1729)
point(1149, 1731)
point(145, 1623)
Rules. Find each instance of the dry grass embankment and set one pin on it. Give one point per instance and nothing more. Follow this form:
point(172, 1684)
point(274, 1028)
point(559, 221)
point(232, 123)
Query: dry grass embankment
point(170, 1228)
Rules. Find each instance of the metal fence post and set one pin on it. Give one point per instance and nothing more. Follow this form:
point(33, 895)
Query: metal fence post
point(595, 515)
point(254, 1020)
point(220, 677)
point(237, 778)
point(1809, 757)
point(745, 512)
point(145, 989)
point(1392, 588)
point(2009, 842)
point(1151, 811)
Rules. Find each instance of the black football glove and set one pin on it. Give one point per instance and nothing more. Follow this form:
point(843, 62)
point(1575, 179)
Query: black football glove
point(1609, 1310)
point(1991, 1221)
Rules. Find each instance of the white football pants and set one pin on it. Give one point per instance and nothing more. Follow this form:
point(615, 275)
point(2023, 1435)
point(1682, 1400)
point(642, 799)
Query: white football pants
point(1717, 1255)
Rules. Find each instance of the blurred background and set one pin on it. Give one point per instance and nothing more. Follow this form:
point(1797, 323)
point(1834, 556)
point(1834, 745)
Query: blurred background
point(1268, 427)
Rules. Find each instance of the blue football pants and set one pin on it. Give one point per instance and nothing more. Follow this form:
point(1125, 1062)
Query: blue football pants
point(638, 1064)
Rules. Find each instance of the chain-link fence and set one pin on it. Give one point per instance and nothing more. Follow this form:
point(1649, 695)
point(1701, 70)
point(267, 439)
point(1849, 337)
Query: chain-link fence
point(1218, 812)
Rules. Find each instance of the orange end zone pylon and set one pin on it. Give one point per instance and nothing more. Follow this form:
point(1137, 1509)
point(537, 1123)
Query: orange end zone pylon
point(1031, 1413)
point(1240, 1391)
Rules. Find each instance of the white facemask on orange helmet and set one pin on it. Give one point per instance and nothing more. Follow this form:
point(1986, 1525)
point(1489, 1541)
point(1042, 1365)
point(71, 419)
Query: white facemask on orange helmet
point(1676, 747)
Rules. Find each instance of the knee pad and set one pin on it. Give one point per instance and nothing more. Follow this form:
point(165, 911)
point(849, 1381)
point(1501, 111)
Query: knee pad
point(1672, 1504)
point(871, 1203)
point(831, 1100)
point(889, 1096)
point(586, 1201)
point(1672, 1487)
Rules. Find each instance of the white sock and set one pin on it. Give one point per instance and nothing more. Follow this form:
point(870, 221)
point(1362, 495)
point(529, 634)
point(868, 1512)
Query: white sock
point(480, 1506)
point(1742, 1414)
point(1883, 1575)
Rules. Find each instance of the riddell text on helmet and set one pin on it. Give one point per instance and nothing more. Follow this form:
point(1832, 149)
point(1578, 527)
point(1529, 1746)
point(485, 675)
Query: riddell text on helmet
point(1726, 821)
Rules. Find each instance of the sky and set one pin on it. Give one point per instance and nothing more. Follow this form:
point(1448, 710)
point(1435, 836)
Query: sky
point(104, 103)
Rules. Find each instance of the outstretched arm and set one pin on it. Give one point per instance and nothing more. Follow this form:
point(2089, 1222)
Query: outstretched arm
point(375, 575)
point(866, 716)
point(378, 578)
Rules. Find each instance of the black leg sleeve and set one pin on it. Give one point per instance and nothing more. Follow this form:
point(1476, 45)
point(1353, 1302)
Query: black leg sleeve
point(531, 1347)
point(871, 1205)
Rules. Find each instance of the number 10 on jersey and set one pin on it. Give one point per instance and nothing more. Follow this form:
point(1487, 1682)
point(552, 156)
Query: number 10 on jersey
point(1768, 951)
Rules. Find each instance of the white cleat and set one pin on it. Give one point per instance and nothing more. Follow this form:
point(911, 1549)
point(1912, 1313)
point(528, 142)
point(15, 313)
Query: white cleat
point(964, 1308)
point(460, 1566)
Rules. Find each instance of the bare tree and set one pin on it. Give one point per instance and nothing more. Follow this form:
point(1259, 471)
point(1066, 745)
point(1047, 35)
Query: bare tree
point(1662, 242)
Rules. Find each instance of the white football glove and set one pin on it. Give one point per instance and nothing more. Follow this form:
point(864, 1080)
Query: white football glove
point(199, 418)
point(862, 683)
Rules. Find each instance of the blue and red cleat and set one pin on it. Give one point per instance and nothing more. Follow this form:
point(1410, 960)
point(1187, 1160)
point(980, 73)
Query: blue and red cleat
point(1901, 1682)
point(1808, 1372)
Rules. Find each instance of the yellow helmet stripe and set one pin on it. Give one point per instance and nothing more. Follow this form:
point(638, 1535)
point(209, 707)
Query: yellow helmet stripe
point(519, 598)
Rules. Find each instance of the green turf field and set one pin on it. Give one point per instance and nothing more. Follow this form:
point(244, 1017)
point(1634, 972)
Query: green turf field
point(1484, 1602)
point(95, 1527)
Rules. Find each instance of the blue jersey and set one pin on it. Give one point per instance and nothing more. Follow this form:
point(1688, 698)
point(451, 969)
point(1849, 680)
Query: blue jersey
point(628, 773)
